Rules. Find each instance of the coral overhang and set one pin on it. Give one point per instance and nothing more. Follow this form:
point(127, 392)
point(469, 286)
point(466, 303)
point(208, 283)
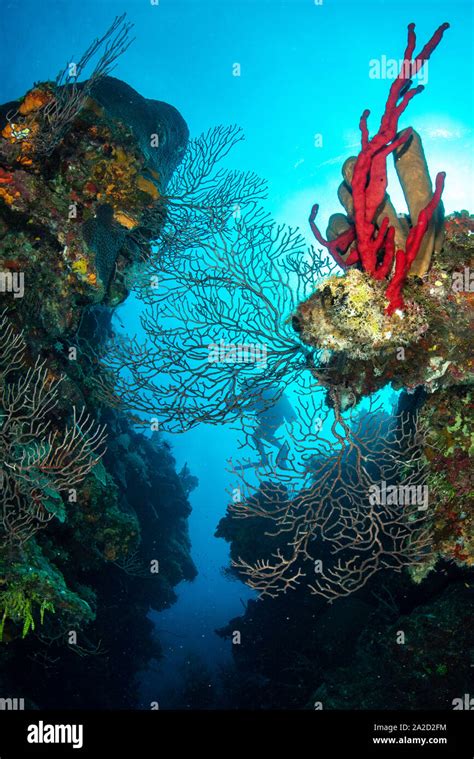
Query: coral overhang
point(366, 242)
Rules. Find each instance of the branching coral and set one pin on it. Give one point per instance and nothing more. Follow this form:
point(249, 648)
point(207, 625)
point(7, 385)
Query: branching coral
point(225, 277)
point(223, 274)
point(369, 238)
point(201, 196)
point(48, 111)
point(40, 460)
point(331, 533)
point(209, 292)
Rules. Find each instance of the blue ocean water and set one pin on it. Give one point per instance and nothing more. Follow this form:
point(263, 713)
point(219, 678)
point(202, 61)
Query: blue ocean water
point(303, 83)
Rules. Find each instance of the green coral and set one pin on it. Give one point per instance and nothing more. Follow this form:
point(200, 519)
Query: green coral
point(35, 585)
point(18, 606)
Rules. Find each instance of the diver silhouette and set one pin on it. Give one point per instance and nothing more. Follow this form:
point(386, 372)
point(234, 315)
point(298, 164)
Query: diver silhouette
point(271, 414)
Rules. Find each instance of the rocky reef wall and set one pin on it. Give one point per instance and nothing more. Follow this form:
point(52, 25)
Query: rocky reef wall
point(94, 514)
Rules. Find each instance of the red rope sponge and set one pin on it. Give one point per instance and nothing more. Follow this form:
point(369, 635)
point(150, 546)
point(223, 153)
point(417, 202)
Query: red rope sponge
point(373, 246)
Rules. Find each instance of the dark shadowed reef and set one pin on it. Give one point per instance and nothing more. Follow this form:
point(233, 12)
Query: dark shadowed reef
point(94, 514)
point(394, 643)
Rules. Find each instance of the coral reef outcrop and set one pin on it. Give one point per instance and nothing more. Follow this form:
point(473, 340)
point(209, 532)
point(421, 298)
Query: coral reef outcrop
point(94, 515)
